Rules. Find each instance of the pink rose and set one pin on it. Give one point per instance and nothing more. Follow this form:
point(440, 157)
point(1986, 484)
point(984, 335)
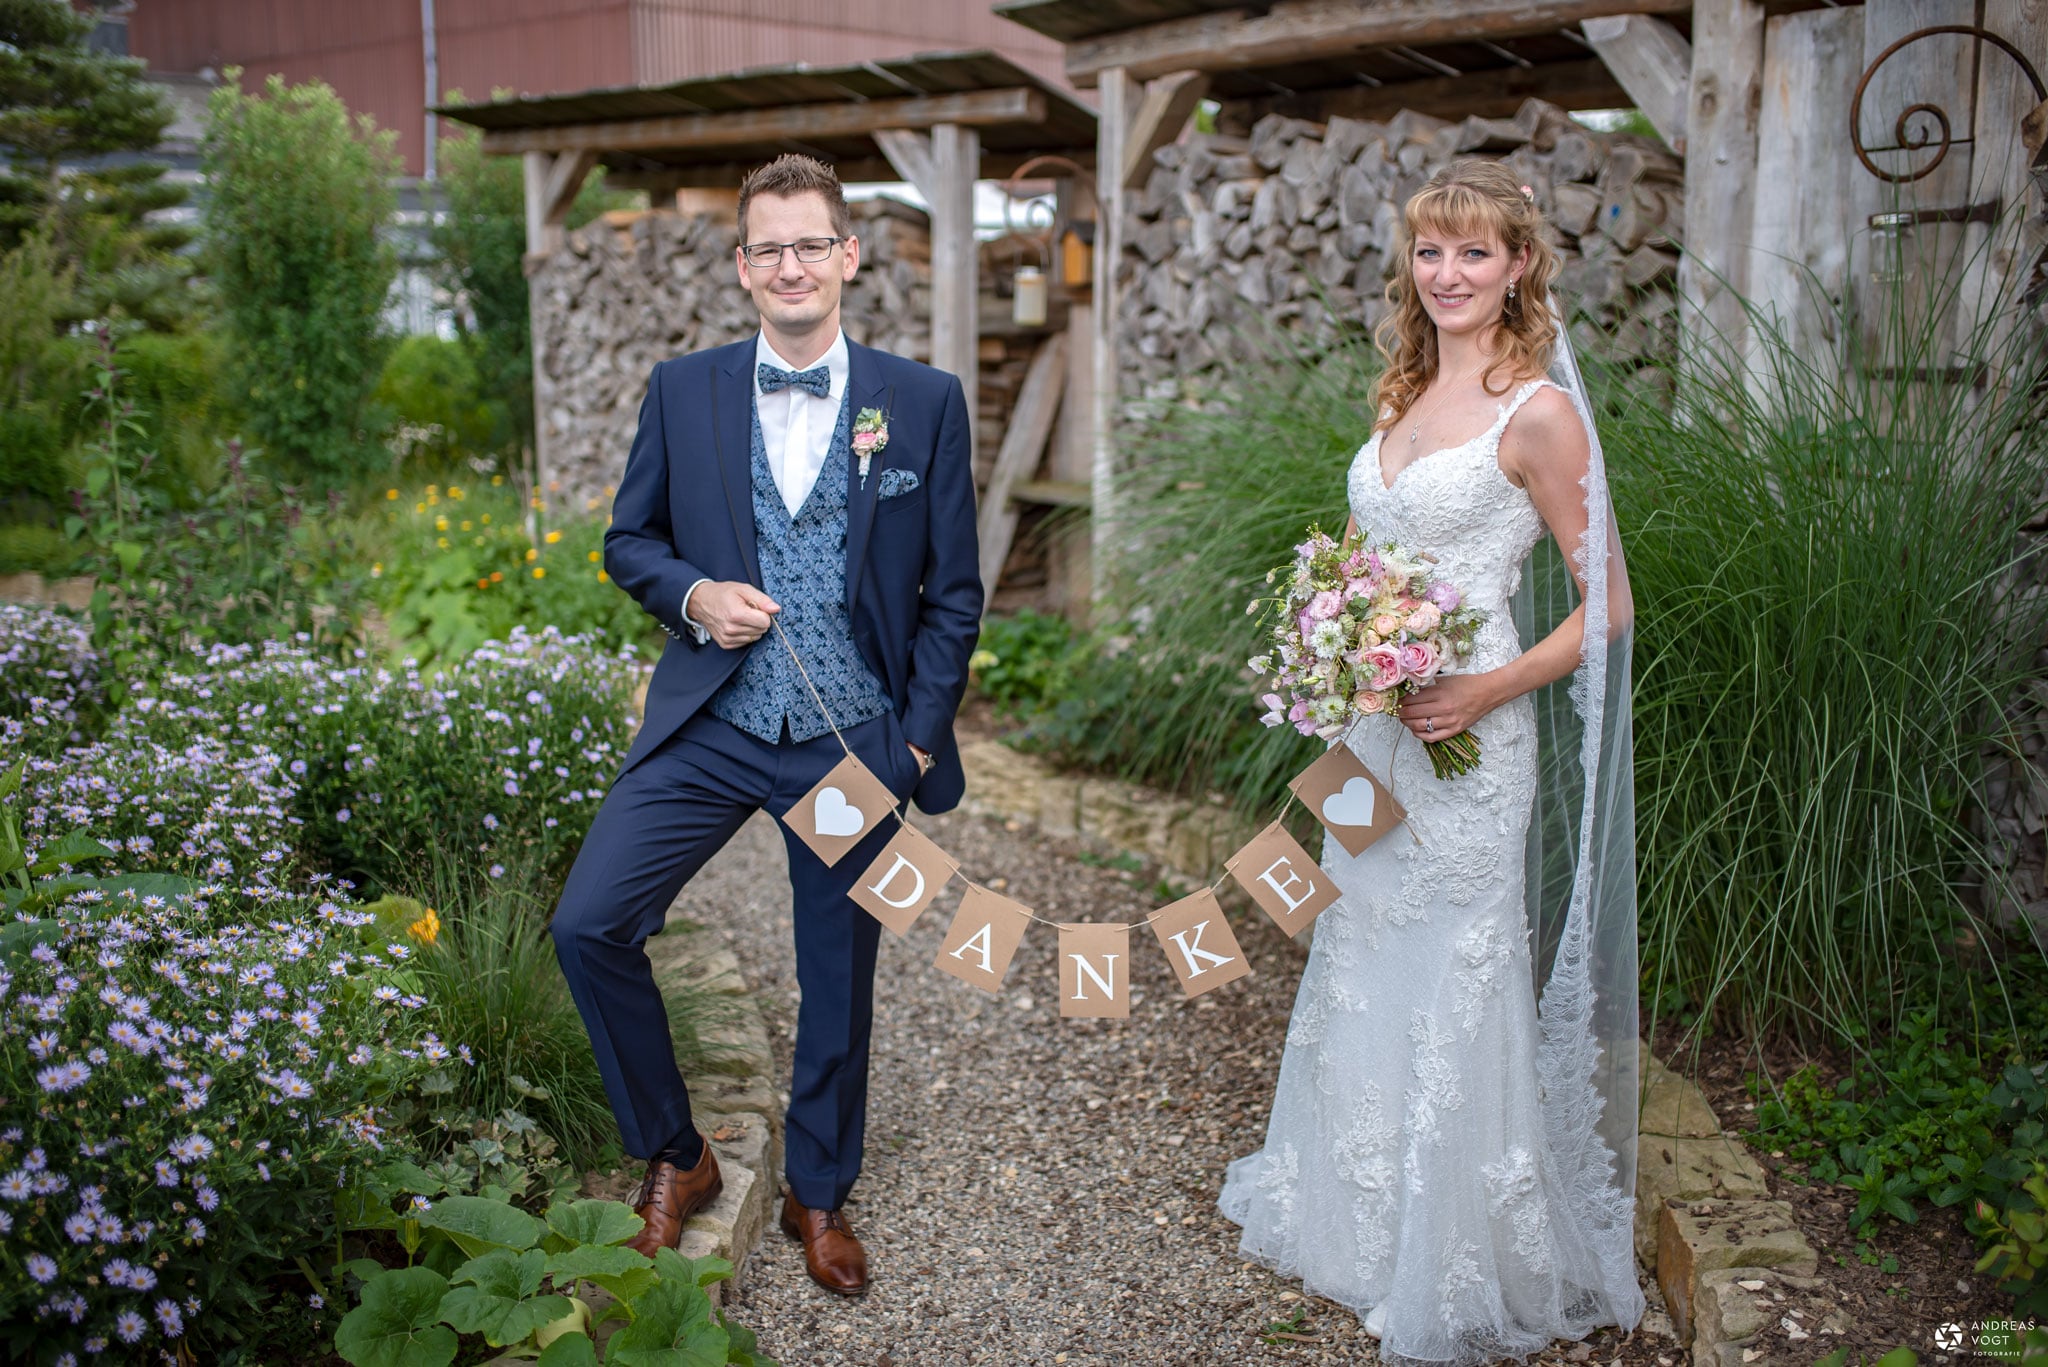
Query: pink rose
point(1386, 624)
point(1383, 664)
point(1325, 605)
point(1369, 704)
point(864, 442)
point(1424, 619)
point(1419, 660)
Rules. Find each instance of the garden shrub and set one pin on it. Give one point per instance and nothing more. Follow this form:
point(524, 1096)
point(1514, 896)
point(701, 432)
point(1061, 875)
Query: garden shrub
point(187, 1085)
point(1021, 661)
point(461, 568)
point(299, 197)
point(430, 390)
point(49, 678)
point(508, 752)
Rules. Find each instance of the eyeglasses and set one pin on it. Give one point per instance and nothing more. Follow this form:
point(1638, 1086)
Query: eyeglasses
point(809, 250)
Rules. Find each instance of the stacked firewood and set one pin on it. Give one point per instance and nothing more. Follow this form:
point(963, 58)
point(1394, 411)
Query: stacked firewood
point(628, 291)
point(1298, 227)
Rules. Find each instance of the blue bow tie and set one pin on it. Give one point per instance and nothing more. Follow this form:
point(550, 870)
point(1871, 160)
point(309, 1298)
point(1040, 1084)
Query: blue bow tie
point(772, 379)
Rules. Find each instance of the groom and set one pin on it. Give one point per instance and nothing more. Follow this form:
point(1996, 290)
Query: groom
point(748, 505)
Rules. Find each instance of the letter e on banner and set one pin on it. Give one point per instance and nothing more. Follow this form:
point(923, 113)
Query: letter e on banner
point(1287, 884)
point(841, 811)
point(1198, 943)
point(1095, 970)
point(1354, 807)
point(983, 938)
point(898, 886)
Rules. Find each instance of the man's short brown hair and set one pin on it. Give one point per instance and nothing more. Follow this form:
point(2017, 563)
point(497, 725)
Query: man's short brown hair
point(792, 173)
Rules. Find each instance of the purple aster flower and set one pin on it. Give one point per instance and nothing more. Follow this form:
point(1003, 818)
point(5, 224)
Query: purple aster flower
point(129, 1326)
point(42, 1268)
point(167, 1315)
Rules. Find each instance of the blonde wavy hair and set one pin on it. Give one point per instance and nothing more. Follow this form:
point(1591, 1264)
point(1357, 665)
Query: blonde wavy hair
point(1471, 197)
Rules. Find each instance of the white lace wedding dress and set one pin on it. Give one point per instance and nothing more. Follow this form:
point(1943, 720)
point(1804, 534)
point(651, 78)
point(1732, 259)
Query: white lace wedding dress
point(1412, 1160)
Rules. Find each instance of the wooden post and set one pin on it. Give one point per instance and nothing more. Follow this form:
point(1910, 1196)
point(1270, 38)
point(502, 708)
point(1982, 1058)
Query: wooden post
point(1997, 255)
point(944, 166)
point(1117, 95)
point(1654, 65)
point(552, 181)
point(1720, 168)
point(1023, 443)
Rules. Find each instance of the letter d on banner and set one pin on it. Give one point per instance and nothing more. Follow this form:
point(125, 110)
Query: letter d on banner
point(898, 886)
point(983, 939)
point(1095, 970)
point(1198, 943)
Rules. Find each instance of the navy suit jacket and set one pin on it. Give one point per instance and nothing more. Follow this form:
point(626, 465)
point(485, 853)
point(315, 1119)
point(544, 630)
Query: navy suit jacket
point(685, 511)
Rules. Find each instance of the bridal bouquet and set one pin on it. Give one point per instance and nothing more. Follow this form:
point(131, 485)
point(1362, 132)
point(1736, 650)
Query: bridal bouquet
point(1353, 633)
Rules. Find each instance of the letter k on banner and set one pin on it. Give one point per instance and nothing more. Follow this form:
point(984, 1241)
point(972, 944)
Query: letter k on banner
point(1198, 943)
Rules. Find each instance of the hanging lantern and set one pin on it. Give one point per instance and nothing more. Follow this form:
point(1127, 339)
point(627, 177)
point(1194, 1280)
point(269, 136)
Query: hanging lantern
point(1027, 300)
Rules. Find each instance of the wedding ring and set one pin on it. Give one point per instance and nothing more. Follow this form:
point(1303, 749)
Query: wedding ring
point(1429, 725)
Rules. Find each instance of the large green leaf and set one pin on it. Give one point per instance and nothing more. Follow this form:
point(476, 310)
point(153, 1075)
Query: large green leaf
point(478, 1225)
point(593, 1261)
point(499, 1302)
point(570, 1350)
point(698, 1272)
point(396, 1325)
point(595, 1222)
point(72, 847)
point(672, 1327)
point(744, 1350)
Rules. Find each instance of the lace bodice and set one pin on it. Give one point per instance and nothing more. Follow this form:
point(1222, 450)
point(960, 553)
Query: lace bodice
point(1456, 505)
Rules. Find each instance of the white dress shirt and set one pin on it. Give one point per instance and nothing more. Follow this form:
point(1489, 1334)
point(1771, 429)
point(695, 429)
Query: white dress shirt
point(796, 432)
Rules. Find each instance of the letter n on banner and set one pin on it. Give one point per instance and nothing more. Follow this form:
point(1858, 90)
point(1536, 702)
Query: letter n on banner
point(898, 886)
point(1198, 943)
point(1282, 879)
point(1095, 970)
point(983, 939)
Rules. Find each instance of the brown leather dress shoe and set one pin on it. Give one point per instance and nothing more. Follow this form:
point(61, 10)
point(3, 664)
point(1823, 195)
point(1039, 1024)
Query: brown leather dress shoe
point(834, 1258)
point(668, 1196)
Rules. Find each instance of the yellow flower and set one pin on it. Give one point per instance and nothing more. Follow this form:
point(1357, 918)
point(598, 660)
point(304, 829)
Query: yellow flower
point(419, 507)
point(465, 524)
point(455, 493)
point(433, 489)
point(540, 571)
point(487, 519)
point(603, 578)
point(596, 556)
point(532, 554)
point(440, 524)
point(426, 929)
point(391, 493)
point(377, 570)
point(553, 537)
point(535, 501)
point(442, 542)
point(496, 480)
point(477, 541)
point(609, 491)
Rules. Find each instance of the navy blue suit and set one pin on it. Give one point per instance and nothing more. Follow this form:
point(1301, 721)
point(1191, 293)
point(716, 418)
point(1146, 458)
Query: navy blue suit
point(684, 512)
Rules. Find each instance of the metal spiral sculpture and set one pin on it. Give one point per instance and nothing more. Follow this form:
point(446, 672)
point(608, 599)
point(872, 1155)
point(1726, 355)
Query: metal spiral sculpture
point(1905, 139)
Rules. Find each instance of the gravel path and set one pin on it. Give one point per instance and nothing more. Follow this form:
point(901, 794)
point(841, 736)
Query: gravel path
point(1036, 1191)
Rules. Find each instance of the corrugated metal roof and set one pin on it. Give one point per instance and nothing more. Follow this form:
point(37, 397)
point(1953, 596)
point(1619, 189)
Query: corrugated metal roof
point(1068, 123)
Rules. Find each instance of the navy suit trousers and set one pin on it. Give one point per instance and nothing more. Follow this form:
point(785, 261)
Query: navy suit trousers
point(662, 821)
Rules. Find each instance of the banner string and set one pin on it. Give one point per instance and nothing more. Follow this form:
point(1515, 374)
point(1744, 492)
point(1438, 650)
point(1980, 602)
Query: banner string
point(904, 821)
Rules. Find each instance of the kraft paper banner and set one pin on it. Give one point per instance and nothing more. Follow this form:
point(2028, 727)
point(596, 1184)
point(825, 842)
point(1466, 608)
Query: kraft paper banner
point(1095, 970)
point(1198, 943)
point(841, 810)
point(1282, 878)
point(983, 938)
point(898, 886)
point(1353, 806)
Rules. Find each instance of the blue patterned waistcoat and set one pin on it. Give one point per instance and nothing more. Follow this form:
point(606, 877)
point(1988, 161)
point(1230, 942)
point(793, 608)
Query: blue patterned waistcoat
point(803, 568)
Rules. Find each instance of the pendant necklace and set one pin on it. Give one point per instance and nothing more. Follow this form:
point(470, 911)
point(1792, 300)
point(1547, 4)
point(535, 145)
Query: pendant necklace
point(1416, 430)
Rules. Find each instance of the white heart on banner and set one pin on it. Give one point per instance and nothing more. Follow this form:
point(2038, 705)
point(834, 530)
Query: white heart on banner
point(838, 817)
point(1351, 805)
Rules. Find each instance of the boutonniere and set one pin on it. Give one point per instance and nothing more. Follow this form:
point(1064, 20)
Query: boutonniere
point(870, 435)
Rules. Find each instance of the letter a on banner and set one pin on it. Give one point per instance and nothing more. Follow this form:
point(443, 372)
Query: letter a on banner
point(902, 883)
point(841, 811)
point(1198, 943)
point(983, 939)
point(1095, 970)
point(1282, 879)
point(1354, 807)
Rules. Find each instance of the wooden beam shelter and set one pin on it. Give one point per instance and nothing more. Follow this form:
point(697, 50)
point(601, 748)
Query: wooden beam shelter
point(1653, 62)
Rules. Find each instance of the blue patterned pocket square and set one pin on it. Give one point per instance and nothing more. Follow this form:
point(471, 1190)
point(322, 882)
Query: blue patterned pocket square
point(895, 482)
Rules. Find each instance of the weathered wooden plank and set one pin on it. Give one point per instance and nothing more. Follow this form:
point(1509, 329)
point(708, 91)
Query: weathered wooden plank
point(1997, 257)
point(1653, 62)
point(1721, 142)
point(1117, 94)
point(1316, 30)
point(1023, 446)
point(1800, 229)
point(788, 122)
point(1495, 93)
point(1158, 119)
point(956, 263)
point(911, 154)
point(727, 173)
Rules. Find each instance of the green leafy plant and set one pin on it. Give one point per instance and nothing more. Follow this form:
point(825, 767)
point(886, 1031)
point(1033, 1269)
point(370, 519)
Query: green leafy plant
point(299, 196)
point(1021, 661)
point(486, 1268)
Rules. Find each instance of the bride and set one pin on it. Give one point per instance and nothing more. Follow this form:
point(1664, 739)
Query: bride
point(1452, 1142)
